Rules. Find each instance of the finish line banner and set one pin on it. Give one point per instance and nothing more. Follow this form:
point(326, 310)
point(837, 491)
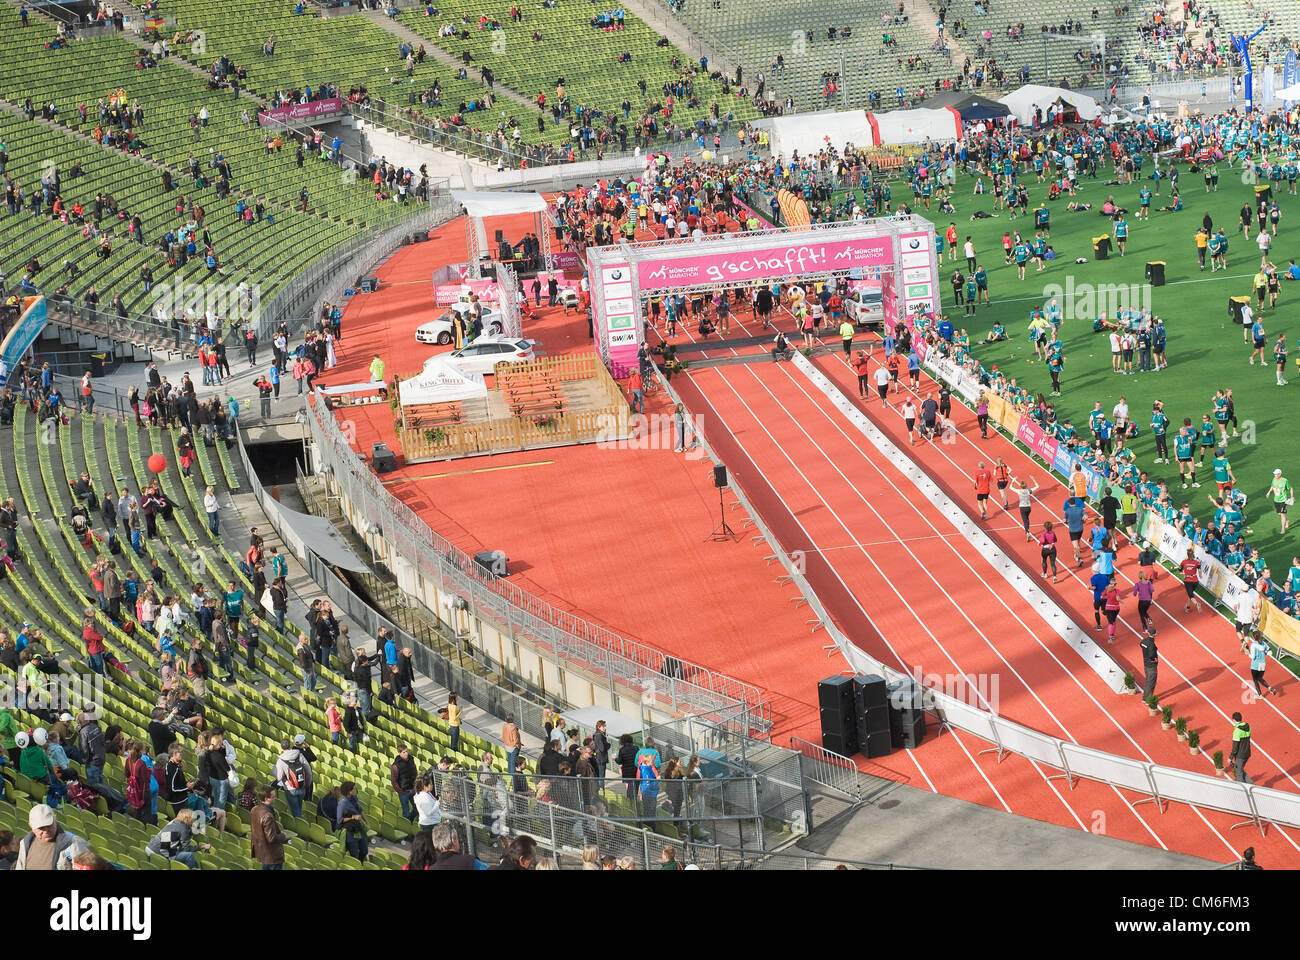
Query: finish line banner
point(785, 260)
point(300, 111)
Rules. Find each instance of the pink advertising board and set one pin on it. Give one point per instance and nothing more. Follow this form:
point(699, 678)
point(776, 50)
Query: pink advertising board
point(300, 111)
point(806, 256)
point(1032, 435)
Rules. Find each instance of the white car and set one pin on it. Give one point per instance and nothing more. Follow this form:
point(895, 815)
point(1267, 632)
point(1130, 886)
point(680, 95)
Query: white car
point(440, 330)
point(864, 307)
point(487, 351)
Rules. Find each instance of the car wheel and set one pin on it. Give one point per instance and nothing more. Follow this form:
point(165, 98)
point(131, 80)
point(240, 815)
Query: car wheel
point(444, 338)
point(495, 328)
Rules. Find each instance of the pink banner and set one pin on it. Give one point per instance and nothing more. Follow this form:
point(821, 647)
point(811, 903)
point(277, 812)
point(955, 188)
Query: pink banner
point(1031, 435)
point(300, 111)
point(809, 256)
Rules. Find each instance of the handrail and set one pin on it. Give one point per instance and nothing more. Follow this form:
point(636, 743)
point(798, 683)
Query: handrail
point(826, 765)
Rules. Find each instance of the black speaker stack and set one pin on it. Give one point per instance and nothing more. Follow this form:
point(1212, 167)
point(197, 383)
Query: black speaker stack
point(870, 698)
point(839, 716)
point(720, 475)
point(906, 714)
point(855, 715)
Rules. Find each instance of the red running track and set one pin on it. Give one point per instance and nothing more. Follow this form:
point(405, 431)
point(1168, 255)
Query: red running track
point(906, 586)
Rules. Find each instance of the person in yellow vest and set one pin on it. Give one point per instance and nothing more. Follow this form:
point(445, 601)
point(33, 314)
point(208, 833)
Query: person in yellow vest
point(846, 334)
point(1240, 747)
point(377, 370)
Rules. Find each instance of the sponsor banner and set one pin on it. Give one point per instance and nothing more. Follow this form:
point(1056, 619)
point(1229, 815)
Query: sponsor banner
point(1233, 591)
point(446, 293)
point(23, 333)
point(1173, 544)
point(566, 260)
point(1036, 439)
point(300, 111)
point(1214, 575)
point(787, 259)
point(1064, 460)
point(1281, 629)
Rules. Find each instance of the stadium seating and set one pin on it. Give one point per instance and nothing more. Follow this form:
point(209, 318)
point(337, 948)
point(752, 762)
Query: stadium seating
point(596, 79)
point(258, 712)
point(758, 32)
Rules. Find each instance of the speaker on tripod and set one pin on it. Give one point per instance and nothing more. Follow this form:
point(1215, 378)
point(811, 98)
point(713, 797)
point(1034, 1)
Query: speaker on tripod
point(723, 530)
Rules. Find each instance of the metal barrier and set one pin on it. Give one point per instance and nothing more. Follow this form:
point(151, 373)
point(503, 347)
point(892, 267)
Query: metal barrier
point(423, 559)
point(832, 770)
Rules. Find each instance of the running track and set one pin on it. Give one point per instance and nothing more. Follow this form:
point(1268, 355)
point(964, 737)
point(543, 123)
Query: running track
point(905, 585)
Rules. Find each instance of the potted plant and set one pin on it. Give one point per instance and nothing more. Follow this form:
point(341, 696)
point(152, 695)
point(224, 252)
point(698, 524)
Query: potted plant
point(544, 422)
point(1180, 728)
point(1217, 757)
point(1130, 686)
point(1166, 717)
point(806, 351)
point(434, 436)
point(1153, 705)
point(1193, 742)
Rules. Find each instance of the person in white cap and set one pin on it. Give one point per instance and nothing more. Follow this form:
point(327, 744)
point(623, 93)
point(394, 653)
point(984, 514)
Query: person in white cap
point(48, 846)
point(1282, 495)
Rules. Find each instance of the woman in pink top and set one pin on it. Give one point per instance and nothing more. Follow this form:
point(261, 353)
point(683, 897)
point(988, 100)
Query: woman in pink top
point(1111, 597)
point(1047, 541)
point(1144, 590)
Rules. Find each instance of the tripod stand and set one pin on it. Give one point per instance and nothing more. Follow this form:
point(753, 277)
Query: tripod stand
point(722, 531)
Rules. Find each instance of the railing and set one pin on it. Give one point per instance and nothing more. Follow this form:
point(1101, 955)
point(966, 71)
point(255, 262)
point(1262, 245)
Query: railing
point(664, 681)
point(464, 142)
point(832, 770)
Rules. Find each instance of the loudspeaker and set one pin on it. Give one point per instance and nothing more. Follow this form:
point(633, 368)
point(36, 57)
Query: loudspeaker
point(908, 735)
point(720, 479)
point(838, 718)
point(381, 458)
point(869, 691)
point(1235, 305)
point(493, 562)
point(501, 235)
point(844, 745)
point(420, 237)
point(877, 745)
point(836, 693)
point(1156, 272)
point(369, 284)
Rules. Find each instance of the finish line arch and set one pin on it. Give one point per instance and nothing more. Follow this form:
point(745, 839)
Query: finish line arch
point(900, 251)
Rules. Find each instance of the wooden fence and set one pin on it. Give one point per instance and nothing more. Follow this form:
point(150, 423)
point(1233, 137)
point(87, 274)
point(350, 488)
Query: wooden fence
point(607, 422)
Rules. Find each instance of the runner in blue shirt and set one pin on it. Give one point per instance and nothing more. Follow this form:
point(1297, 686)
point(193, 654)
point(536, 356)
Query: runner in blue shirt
point(1121, 233)
point(1208, 443)
point(1100, 582)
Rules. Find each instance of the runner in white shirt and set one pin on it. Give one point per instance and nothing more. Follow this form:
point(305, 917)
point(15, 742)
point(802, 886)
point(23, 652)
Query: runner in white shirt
point(1114, 352)
point(882, 383)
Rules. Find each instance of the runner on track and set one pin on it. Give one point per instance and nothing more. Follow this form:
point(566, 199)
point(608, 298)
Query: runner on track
point(1191, 577)
point(1074, 512)
point(1047, 544)
point(982, 481)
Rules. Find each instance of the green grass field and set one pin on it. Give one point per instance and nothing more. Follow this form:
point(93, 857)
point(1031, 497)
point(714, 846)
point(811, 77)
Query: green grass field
point(1204, 350)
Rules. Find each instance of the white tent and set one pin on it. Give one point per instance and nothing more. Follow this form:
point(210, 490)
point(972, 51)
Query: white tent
point(913, 126)
point(441, 381)
point(1021, 102)
point(1289, 93)
point(485, 203)
point(810, 132)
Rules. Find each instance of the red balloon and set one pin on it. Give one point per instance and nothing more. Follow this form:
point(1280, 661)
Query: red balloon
point(157, 463)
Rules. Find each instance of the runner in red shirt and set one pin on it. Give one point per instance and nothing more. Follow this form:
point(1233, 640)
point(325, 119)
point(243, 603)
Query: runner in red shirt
point(895, 363)
point(983, 479)
point(1191, 577)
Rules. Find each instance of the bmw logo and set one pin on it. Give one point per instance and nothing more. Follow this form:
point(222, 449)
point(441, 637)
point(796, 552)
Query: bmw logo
point(616, 275)
point(914, 243)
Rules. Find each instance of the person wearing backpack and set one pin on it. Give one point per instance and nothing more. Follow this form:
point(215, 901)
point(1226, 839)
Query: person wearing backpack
point(292, 774)
point(402, 774)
